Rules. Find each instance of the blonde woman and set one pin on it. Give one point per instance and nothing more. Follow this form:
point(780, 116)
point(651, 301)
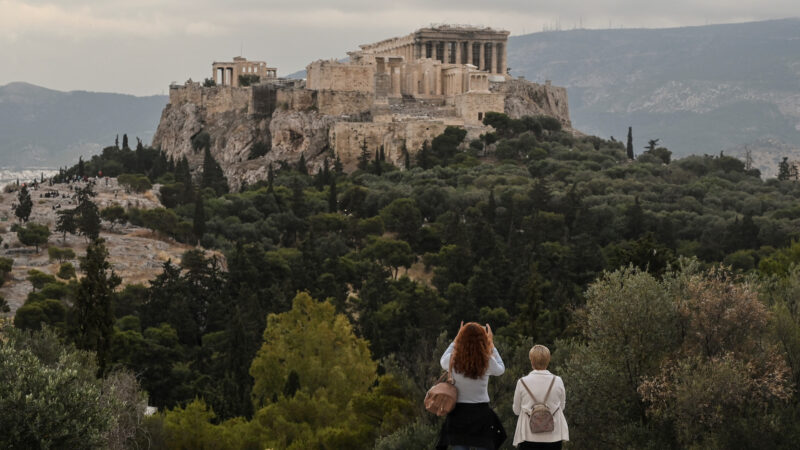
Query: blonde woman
point(538, 381)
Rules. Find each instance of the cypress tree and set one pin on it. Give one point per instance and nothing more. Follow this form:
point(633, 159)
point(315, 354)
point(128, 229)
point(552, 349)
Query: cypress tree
point(80, 167)
point(406, 157)
point(24, 205)
point(338, 167)
point(363, 158)
point(93, 315)
point(783, 169)
point(629, 147)
point(125, 142)
point(213, 176)
point(270, 179)
point(333, 202)
point(199, 222)
point(301, 165)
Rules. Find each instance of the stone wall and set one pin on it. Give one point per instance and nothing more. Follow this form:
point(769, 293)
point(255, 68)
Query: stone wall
point(346, 139)
point(349, 103)
point(336, 76)
point(473, 106)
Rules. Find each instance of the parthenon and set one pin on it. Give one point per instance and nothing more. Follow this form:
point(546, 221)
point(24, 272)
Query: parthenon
point(228, 73)
point(484, 48)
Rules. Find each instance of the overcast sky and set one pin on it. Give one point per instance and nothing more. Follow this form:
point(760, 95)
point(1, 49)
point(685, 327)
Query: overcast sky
point(140, 46)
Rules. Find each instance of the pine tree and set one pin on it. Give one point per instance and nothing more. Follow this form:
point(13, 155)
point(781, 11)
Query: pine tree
point(93, 314)
point(24, 205)
point(199, 222)
point(629, 147)
point(66, 223)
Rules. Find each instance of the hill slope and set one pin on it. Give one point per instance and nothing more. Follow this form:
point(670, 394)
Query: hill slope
point(698, 89)
point(43, 127)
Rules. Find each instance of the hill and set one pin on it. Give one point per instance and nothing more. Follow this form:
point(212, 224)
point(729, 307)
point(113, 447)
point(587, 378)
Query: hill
point(698, 89)
point(44, 127)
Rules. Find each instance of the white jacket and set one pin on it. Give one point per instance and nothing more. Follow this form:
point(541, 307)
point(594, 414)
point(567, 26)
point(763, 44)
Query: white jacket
point(538, 381)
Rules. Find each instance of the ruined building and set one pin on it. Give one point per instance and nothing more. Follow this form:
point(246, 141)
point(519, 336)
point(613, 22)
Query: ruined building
point(396, 93)
point(228, 73)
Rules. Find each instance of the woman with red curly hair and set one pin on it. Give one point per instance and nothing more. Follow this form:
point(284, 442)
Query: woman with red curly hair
point(472, 423)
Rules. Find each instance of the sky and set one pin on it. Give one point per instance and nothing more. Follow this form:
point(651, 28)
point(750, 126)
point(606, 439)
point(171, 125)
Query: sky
point(140, 46)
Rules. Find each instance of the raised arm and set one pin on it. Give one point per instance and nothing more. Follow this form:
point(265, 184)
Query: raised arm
point(496, 366)
point(445, 361)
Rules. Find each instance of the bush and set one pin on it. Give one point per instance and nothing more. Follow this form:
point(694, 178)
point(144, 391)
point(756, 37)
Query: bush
point(66, 271)
point(135, 182)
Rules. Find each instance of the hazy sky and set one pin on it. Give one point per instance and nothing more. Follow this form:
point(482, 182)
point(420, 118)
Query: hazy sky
point(140, 46)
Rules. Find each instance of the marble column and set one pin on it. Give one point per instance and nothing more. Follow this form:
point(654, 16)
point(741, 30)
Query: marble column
point(493, 49)
point(458, 52)
point(446, 51)
point(502, 55)
point(469, 52)
point(434, 50)
point(482, 57)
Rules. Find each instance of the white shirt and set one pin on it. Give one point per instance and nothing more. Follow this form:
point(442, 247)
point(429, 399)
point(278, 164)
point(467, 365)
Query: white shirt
point(474, 390)
point(538, 382)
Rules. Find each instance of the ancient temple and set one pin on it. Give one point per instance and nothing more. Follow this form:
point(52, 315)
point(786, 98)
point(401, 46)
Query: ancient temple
point(228, 73)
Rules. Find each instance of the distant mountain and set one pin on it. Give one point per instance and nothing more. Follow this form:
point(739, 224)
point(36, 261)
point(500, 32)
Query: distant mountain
point(697, 89)
point(41, 127)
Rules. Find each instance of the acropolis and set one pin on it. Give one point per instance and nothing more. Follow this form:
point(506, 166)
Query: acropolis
point(395, 94)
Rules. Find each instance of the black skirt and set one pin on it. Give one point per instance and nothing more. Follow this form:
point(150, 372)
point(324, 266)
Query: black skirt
point(473, 425)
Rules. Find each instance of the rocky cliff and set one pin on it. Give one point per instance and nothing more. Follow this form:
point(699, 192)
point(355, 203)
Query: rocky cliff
point(283, 123)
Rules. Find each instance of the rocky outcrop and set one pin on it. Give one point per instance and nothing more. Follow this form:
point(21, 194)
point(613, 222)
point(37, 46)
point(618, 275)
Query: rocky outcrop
point(284, 122)
point(524, 98)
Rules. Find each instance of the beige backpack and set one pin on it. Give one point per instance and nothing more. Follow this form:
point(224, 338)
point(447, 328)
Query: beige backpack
point(541, 418)
point(441, 398)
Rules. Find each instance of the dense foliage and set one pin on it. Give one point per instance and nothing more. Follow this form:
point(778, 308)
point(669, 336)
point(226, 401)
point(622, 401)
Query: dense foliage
point(526, 228)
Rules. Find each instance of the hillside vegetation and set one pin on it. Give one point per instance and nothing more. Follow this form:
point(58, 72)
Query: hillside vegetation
point(340, 291)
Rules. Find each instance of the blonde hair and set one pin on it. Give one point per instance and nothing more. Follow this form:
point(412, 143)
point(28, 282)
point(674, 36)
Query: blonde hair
point(540, 357)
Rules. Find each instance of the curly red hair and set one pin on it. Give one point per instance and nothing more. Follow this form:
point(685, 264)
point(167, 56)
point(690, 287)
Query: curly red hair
point(472, 351)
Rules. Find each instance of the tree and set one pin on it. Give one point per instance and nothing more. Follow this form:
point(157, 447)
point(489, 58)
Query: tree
point(66, 271)
point(93, 315)
point(125, 142)
point(33, 234)
point(61, 254)
point(66, 223)
point(213, 176)
point(390, 253)
point(406, 156)
point(87, 216)
point(629, 146)
point(784, 171)
point(5, 268)
point(52, 391)
point(199, 219)
point(363, 157)
point(302, 167)
point(114, 214)
point(333, 202)
point(652, 144)
point(24, 204)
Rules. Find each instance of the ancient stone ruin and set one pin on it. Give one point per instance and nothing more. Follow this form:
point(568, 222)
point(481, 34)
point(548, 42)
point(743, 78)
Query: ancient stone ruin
point(395, 94)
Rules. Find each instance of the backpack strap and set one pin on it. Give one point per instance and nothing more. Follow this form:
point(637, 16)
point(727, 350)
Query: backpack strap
point(553, 380)
point(533, 397)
